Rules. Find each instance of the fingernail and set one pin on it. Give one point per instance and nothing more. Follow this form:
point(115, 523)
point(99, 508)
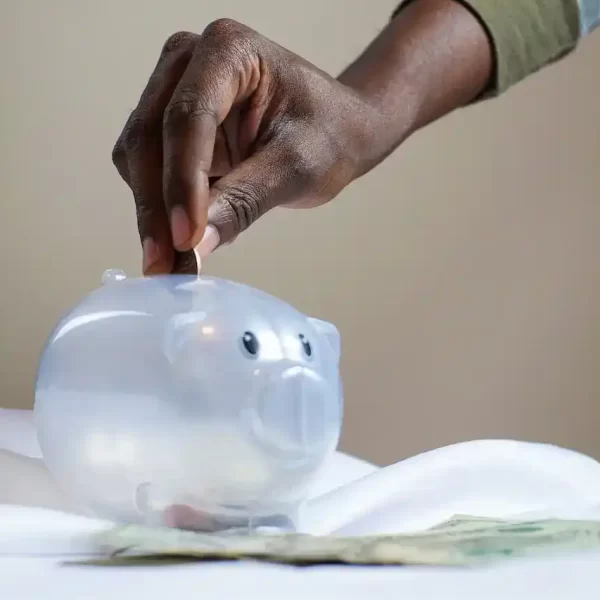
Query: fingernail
point(151, 253)
point(210, 240)
point(181, 229)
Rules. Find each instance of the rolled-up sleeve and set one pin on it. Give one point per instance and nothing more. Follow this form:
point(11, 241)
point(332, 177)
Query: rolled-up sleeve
point(527, 35)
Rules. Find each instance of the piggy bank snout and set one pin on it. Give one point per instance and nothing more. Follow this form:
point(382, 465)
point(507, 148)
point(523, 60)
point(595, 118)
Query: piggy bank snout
point(297, 411)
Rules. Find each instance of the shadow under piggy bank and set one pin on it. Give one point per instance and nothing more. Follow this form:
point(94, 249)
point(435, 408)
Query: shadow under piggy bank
point(185, 391)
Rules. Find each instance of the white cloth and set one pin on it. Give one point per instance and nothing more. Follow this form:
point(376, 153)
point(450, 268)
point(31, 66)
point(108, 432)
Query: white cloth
point(17, 433)
point(486, 478)
point(493, 478)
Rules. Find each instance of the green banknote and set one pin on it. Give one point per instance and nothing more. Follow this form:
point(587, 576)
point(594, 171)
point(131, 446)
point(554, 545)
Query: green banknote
point(462, 541)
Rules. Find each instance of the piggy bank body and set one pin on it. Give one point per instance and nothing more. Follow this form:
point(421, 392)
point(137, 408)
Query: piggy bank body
point(179, 390)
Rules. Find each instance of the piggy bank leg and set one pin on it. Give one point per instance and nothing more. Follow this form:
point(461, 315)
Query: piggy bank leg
point(182, 516)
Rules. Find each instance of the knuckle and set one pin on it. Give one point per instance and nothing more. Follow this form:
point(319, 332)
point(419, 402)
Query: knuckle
point(243, 204)
point(119, 155)
point(230, 42)
point(185, 109)
point(176, 41)
point(223, 29)
point(138, 131)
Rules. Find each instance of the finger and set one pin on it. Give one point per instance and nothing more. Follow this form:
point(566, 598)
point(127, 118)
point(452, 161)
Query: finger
point(203, 98)
point(272, 177)
point(142, 143)
point(145, 170)
point(210, 241)
point(176, 45)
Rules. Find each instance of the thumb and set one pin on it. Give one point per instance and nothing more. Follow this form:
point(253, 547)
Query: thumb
point(237, 200)
point(210, 241)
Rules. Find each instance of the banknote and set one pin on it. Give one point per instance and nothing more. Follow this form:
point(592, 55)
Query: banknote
point(461, 541)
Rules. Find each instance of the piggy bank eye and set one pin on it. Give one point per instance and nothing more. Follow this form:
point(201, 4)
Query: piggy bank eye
point(250, 343)
point(305, 345)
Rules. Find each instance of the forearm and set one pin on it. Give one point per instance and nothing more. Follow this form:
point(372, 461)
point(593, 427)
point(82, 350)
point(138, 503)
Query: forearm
point(438, 55)
point(432, 58)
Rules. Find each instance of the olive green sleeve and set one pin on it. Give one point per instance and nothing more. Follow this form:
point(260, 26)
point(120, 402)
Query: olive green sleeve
point(526, 35)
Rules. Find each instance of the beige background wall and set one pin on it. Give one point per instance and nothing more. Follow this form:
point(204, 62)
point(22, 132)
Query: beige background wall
point(472, 311)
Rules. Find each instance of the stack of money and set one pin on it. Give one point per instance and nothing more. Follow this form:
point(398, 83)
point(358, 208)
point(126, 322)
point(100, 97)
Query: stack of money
point(462, 541)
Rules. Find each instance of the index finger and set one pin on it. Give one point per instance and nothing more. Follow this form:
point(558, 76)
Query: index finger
point(201, 101)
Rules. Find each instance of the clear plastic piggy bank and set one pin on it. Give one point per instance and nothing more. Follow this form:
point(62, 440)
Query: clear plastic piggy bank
point(180, 391)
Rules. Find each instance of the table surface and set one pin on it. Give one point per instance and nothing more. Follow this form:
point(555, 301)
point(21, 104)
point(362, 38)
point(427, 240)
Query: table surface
point(574, 578)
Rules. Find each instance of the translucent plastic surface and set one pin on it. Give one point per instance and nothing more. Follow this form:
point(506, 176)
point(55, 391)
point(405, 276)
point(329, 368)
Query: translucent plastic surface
point(188, 392)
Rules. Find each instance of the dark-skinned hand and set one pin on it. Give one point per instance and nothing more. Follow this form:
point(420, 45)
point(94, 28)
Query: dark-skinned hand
point(229, 126)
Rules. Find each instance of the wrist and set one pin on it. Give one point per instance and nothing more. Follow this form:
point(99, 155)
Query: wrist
point(376, 131)
point(434, 57)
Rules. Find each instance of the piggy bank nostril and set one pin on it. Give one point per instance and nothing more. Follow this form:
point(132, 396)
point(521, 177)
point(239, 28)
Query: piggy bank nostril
point(294, 412)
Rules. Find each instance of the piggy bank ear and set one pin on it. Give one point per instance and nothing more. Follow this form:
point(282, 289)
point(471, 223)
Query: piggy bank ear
point(329, 332)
